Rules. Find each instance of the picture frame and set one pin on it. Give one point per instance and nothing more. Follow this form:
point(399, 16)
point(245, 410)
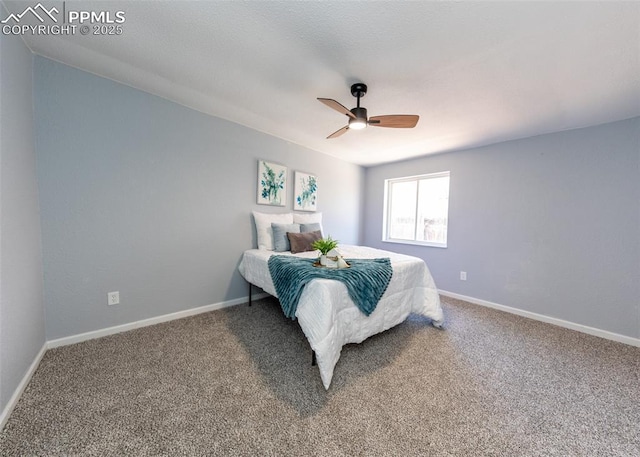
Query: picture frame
point(305, 192)
point(272, 183)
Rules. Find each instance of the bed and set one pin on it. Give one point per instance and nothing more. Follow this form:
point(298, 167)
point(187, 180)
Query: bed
point(330, 319)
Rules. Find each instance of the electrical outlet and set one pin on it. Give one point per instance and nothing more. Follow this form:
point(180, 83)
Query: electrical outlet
point(463, 276)
point(113, 298)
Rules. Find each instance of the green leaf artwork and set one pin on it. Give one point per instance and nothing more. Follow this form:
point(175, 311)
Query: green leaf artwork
point(272, 180)
point(306, 192)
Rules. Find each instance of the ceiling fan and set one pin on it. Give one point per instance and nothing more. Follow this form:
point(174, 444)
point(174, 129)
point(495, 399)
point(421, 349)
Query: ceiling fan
point(358, 115)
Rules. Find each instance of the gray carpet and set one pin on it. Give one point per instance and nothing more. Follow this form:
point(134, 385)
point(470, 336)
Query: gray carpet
point(239, 382)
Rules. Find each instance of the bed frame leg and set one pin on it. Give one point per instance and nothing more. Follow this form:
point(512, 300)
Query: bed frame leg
point(313, 358)
point(250, 294)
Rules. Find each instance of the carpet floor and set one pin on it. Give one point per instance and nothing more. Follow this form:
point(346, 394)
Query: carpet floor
point(239, 382)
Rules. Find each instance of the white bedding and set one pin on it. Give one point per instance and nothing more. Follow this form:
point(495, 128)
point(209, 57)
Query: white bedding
point(329, 318)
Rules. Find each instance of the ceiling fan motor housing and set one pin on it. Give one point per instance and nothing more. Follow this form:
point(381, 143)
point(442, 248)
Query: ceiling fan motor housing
point(360, 120)
point(359, 113)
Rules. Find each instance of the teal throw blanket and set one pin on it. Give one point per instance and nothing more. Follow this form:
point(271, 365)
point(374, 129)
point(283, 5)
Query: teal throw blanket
point(366, 280)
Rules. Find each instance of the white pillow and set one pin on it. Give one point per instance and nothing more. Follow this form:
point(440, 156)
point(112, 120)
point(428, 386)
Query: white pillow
point(264, 230)
point(308, 218)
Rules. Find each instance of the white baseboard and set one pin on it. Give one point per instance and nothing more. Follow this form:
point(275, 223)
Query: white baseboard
point(147, 322)
point(8, 409)
point(550, 320)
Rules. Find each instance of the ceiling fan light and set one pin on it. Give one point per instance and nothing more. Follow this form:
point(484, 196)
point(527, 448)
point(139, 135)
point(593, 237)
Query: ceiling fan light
point(357, 124)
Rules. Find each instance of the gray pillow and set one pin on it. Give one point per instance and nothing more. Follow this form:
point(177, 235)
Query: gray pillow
point(280, 240)
point(313, 227)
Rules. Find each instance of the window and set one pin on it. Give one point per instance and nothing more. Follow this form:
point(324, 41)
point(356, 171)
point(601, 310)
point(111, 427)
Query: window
point(417, 209)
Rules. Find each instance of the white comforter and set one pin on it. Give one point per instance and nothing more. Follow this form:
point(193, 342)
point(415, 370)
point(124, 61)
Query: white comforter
point(329, 318)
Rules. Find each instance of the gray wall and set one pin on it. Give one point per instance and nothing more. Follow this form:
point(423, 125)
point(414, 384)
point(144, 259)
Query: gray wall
point(549, 224)
point(149, 198)
point(22, 333)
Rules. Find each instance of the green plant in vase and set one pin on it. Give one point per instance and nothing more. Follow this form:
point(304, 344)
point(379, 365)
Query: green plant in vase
point(324, 245)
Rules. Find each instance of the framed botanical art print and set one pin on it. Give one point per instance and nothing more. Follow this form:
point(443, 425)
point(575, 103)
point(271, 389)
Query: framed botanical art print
point(272, 183)
point(305, 192)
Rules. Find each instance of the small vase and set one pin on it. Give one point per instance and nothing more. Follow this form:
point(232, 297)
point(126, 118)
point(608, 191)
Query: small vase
point(323, 260)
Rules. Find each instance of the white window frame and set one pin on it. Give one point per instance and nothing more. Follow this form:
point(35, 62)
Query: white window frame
point(388, 184)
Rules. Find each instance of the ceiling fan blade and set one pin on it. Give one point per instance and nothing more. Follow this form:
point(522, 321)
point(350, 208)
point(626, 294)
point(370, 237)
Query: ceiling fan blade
point(336, 106)
point(397, 121)
point(337, 133)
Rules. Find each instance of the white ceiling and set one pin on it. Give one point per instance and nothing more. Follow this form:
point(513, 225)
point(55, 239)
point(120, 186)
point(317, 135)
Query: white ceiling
point(475, 72)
